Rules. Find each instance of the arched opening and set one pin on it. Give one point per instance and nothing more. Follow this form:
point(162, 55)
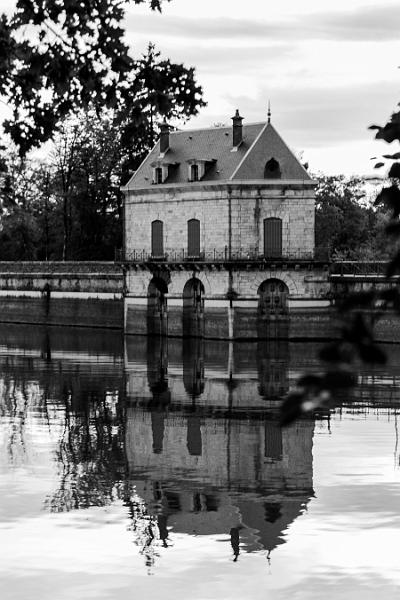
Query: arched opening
point(273, 237)
point(157, 315)
point(193, 238)
point(273, 367)
point(272, 170)
point(157, 239)
point(193, 367)
point(193, 308)
point(273, 319)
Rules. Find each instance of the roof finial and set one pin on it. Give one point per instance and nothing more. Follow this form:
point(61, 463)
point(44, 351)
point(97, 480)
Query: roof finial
point(269, 111)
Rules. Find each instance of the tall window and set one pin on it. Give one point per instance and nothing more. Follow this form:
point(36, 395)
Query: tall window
point(194, 173)
point(158, 175)
point(273, 238)
point(194, 237)
point(157, 238)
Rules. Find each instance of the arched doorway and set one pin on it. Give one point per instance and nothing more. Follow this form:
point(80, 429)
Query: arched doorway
point(193, 308)
point(273, 320)
point(157, 315)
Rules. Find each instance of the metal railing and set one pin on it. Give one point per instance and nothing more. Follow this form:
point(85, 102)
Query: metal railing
point(358, 267)
point(210, 256)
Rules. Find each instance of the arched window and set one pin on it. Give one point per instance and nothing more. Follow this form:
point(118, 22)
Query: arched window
point(193, 237)
point(157, 239)
point(272, 170)
point(273, 238)
point(158, 175)
point(194, 173)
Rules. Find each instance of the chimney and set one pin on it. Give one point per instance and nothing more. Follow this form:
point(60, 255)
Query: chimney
point(237, 129)
point(164, 137)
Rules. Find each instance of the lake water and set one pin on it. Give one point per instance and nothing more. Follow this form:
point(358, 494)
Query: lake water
point(155, 469)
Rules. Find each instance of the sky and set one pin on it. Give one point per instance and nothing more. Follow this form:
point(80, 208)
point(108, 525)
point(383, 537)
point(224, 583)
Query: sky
point(329, 69)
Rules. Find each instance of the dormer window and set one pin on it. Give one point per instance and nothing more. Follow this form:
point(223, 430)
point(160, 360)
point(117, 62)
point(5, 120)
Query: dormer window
point(198, 167)
point(272, 170)
point(194, 172)
point(162, 170)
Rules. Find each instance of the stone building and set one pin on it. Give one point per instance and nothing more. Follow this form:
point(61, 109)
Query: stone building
point(219, 235)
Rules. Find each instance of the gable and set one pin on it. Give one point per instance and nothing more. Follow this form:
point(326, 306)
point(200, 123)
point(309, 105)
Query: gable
point(269, 145)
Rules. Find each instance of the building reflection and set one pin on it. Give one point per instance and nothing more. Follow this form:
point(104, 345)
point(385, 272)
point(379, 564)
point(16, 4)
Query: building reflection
point(208, 456)
point(184, 434)
point(208, 475)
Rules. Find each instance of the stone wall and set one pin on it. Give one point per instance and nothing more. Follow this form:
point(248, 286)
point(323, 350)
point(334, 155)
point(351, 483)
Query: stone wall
point(83, 277)
point(230, 300)
point(218, 207)
point(86, 294)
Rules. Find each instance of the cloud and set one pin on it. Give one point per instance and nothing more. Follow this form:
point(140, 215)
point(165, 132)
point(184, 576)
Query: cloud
point(317, 117)
point(230, 59)
point(373, 23)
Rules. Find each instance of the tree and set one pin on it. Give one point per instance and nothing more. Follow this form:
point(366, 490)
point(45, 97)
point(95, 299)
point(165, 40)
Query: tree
point(57, 57)
point(348, 228)
point(86, 163)
point(359, 312)
point(23, 193)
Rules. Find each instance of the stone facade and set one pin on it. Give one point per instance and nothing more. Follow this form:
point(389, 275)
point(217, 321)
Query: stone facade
point(231, 218)
point(253, 262)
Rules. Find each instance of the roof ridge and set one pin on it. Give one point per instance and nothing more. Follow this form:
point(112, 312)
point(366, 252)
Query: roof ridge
point(177, 131)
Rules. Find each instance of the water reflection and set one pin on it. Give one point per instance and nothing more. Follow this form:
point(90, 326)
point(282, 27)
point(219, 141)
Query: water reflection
point(183, 435)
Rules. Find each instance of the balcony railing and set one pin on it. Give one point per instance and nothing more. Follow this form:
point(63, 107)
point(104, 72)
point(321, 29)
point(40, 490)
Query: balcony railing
point(359, 267)
point(214, 255)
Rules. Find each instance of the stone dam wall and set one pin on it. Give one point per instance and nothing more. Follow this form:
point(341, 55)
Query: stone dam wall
point(85, 294)
point(91, 294)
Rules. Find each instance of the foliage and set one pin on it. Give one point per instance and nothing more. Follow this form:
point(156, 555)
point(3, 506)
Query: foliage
point(86, 167)
point(67, 73)
point(59, 56)
point(352, 230)
point(23, 190)
point(69, 207)
point(359, 312)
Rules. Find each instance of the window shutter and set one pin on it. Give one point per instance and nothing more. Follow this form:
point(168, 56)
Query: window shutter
point(194, 237)
point(273, 238)
point(157, 241)
point(273, 440)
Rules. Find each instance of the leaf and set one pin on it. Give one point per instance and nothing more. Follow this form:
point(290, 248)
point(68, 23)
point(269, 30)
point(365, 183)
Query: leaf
point(394, 170)
point(379, 165)
point(298, 403)
point(357, 300)
point(308, 381)
point(394, 266)
point(393, 228)
point(394, 156)
point(339, 379)
point(337, 352)
point(390, 197)
point(371, 353)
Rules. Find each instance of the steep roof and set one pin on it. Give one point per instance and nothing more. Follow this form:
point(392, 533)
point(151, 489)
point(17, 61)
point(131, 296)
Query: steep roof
point(260, 143)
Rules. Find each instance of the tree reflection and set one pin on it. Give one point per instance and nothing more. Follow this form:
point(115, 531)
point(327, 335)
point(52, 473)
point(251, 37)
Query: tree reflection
point(90, 455)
